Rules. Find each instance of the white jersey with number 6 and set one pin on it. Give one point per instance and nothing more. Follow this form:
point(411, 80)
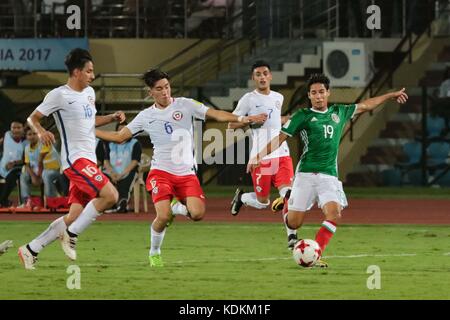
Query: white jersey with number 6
point(74, 114)
point(253, 103)
point(171, 132)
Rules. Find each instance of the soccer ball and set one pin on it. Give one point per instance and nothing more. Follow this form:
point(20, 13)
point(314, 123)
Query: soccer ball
point(306, 252)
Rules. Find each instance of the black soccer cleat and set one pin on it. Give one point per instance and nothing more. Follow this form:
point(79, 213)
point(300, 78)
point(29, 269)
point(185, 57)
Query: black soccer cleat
point(236, 203)
point(292, 240)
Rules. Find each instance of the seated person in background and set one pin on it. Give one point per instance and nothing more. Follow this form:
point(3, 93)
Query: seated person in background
point(444, 88)
point(12, 160)
point(441, 97)
point(207, 9)
point(121, 165)
point(41, 166)
point(100, 150)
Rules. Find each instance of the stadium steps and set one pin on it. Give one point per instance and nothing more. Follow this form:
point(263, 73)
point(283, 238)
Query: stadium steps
point(385, 149)
point(289, 60)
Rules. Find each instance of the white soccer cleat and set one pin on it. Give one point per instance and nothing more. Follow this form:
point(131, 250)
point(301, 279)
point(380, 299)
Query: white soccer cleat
point(5, 245)
point(27, 259)
point(68, 245)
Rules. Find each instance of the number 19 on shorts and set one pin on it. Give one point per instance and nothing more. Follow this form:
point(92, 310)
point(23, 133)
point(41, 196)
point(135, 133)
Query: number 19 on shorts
point(328, 131)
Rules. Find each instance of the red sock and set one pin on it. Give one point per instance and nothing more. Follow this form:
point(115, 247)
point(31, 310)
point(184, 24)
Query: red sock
point(325, 233)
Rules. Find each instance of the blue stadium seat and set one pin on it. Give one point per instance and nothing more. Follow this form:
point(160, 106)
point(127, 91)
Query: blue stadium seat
point(413, 150)
point(438, 153)
point(392, 177)
point(414, 177)
point(444, 180)
point(435, 126)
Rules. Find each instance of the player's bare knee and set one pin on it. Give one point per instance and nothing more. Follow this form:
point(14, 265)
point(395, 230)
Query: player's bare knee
point(197, 214)
point(334, 216)
point(196, 217)
point(112, 197)
point(162, 220)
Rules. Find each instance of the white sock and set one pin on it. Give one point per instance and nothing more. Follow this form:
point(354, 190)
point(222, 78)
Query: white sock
point(249, 199)
point(86, 218)
point(179, 208)
point(156, 241)
point(289, 231)
point(283, 191)
point(52, 233)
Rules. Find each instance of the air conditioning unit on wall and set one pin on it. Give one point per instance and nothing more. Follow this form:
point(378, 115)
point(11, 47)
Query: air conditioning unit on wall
point(346, 63)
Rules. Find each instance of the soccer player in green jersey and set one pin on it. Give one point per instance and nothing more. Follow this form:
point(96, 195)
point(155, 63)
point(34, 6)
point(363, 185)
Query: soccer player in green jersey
point(320, 128)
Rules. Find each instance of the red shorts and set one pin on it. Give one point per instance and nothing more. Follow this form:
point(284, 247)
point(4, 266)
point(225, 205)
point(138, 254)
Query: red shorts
point(164, 186)
point(86, 181)
point(277, 171)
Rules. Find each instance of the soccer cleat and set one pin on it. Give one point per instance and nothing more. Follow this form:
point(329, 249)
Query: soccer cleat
point(236, 203)
point(292, 240)
point(5, 245)
point(68, 245)
point(27, 259)
point(278, 204)
point(320, 264)
point(156, 261)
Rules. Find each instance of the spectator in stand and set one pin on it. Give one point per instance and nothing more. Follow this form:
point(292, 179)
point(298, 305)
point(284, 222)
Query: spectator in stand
point(12, 160)
point(100, 150)
point(121, 166)
point(207, 9)
point(41, 166)
point(441, 98)
point(444, 88)
point(53, 6)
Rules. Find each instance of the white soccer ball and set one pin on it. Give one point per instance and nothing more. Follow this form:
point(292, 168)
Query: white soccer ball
point(306, 252)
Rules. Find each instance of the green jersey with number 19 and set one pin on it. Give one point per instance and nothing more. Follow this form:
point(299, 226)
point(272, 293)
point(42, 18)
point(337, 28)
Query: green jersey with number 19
point(321, 133)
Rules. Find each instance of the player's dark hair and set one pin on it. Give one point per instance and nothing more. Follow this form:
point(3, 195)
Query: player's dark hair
point(17, 120)
point(152, 76)
point(76, 59)
point(120, 124)
point(260, 63)
point(26, 129)
point(318, 78)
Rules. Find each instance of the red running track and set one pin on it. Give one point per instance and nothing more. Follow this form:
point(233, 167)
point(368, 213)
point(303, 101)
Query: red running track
point(360, 211)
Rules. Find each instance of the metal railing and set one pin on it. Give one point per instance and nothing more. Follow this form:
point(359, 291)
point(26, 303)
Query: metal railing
point(188, 19)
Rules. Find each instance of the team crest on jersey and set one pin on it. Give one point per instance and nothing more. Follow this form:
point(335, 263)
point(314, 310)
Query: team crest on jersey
point(155, 190)
point(98, 178)
point(177, 115)
point(335, 118)
point(91, 100)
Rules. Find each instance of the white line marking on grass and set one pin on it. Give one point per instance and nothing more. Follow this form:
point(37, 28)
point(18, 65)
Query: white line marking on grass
point(365, 255)
point(372, 255)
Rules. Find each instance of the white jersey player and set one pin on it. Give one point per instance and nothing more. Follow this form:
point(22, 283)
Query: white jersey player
point(168, 122)
point(276, 168)
point(90, 191)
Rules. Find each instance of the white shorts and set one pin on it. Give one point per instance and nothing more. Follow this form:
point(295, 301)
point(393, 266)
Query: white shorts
point(309, 188)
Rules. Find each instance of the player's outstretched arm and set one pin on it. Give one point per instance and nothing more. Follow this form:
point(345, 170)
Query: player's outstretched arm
point(46, 137)
point(223, 116)
point(114, 136)
point(370, 104)
point(271, 146)
point(236, 125)
point(116, 116)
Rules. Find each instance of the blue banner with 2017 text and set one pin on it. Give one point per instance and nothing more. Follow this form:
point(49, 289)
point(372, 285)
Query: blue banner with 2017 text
point(37, 54)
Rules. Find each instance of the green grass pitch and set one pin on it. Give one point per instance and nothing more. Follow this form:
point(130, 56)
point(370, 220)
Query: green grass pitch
point(231, 261)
